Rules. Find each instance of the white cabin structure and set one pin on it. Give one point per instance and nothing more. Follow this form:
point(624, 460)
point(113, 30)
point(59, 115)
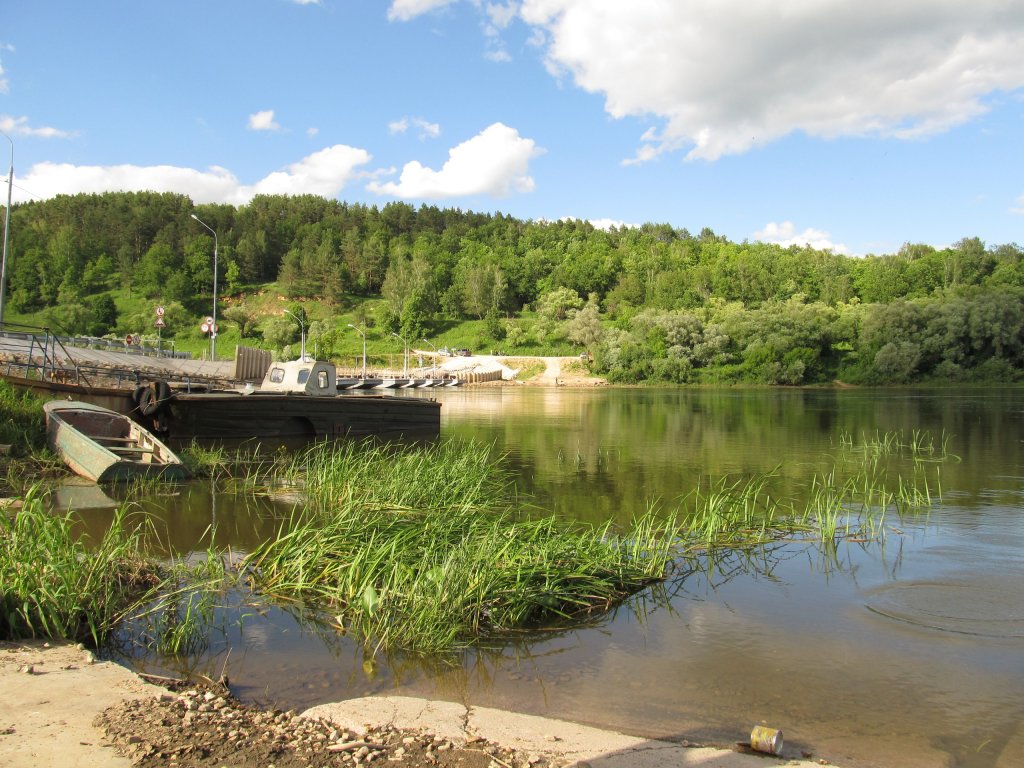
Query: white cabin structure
point(303, 376)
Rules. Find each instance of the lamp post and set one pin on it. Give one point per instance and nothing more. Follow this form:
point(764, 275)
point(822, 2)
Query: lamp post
point(7, 231)
point(302, 333)
point(433, 368)
point(364, 347)
point(405, 355)
point(213, 330)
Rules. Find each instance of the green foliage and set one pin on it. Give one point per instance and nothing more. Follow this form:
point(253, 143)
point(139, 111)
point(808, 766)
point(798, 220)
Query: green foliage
point(708, 309)
point(22, 423)
point(59, 585)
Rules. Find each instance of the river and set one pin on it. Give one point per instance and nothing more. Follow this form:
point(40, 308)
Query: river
point(903, 651)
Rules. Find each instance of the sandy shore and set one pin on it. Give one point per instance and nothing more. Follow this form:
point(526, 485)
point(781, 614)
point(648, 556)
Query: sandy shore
point(50, 697)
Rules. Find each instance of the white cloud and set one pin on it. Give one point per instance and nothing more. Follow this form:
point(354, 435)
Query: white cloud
point(785, 234)
point(18, 126)
point(500, 15)
point(427, 130)
point(307, 2)
point(723, 76)
point(608, 224)
point(322, 173)
point(1018, 206)
point(404, 10)
point(312, 131)
point(263, 121)
point(495, 162)
point(498, 54)
point(5, 84)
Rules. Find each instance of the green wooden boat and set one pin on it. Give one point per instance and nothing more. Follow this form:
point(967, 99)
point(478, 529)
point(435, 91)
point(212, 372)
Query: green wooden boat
point(106, 446)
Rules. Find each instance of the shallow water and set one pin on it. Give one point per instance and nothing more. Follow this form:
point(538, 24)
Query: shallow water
point(904, 653)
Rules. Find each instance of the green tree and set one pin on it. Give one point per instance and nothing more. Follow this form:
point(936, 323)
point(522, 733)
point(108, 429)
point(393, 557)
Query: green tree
point(242, 315)
point(584, 328)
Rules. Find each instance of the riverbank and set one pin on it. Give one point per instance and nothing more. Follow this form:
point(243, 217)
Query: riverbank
point(59, 706)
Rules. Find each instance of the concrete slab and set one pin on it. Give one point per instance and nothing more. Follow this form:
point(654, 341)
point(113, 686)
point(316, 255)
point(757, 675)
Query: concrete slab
point(49, 697)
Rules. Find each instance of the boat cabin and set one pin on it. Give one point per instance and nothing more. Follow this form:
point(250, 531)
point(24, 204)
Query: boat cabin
point(303, 376)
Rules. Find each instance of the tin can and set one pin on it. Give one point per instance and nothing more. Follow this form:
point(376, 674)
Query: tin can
point(765, 739)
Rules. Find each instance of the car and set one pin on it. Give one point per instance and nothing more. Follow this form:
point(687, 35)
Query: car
point(463, 353)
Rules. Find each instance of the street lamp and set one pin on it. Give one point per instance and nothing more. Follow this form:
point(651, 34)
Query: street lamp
point(405, 355)
point(433, 368)
point(213, 330)
point(302, 333)
point(364, 347)
point(7, 231)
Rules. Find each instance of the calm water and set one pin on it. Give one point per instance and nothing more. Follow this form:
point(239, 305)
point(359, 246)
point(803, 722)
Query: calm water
point(907, 653)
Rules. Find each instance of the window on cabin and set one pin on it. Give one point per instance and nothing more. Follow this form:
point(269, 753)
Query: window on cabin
point(277, 375)
point(303, 375)
point(321, 379)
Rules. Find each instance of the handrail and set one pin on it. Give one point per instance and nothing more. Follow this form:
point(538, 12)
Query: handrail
point(90, 341)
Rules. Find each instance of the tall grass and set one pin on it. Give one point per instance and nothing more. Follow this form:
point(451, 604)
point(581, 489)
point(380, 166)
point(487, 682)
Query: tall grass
point(22, 423)
point(848, 501)
point(448, 474)
point(427, 550)
point(56, 585)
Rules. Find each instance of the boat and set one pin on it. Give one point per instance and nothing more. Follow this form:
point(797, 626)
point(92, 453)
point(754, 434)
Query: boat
point(106, 446)
point(297, 402)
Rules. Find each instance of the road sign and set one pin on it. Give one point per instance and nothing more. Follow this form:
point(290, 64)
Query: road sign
point(136, 339)
point(128, 339)
point(160, 322)
point(159, 311)
point(205, 327)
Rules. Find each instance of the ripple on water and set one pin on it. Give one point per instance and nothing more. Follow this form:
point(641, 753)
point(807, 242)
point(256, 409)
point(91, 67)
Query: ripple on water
point(986, 607)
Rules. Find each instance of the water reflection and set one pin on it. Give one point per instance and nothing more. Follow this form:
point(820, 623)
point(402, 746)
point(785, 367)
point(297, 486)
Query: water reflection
point(788, 634)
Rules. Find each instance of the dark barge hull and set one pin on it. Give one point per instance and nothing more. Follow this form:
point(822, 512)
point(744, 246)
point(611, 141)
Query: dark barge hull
point(233, 418)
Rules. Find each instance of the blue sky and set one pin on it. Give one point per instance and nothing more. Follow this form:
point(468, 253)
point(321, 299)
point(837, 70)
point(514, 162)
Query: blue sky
point(852, 124)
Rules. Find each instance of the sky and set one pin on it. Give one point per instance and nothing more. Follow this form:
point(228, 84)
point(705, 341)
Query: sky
point(855, 125)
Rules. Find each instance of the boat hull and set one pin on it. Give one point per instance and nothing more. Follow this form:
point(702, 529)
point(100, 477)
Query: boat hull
point(105, 446)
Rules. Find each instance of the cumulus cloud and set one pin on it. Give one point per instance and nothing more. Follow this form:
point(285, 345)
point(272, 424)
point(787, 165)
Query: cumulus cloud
point(785, 234)
point(322, 173)
point(495, 162)
point(723, 76)
point(19, 126)
point(1018, 206)
point(307, 2)
point(404, 10)
point(263, 121)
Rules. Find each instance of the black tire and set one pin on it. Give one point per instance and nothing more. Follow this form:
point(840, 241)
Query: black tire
point(152, 398)
point(137, 395)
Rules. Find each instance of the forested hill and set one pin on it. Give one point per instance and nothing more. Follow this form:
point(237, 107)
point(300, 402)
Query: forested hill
point(649, 303)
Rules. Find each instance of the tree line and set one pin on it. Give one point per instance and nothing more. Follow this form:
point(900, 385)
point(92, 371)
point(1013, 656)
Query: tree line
point(648, 303)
